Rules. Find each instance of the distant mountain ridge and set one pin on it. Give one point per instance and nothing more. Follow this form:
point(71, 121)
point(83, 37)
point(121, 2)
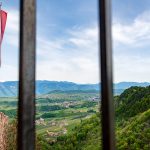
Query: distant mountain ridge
point(126, 85)
point(10, 88)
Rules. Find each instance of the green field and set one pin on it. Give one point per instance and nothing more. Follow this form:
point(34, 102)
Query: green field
point(57, 112)
point(70, 120)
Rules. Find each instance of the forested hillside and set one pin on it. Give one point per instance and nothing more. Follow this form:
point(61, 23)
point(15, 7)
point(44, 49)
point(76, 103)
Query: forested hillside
point(132, 101)
point(134, 134)
point(132, 125)
point(132, 109)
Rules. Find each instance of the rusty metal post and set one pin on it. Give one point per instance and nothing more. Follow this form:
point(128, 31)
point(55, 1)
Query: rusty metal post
point(107, 107)
point(26, 107)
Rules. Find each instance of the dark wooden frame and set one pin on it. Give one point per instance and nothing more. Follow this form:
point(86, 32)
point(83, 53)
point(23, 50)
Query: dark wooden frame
point(26, 107)
point(107, 105)
point(26, 110)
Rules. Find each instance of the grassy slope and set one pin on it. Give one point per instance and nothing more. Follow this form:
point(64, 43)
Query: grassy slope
point(132, 101)
point(132, 126)
point(80, 136)
point(135, 133)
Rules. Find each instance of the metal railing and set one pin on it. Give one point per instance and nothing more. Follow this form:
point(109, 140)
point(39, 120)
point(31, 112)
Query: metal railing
point(26, 107)
point(105, 45)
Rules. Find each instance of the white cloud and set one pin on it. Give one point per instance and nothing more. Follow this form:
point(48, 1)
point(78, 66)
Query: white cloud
point(131, 68)
point(8, 72)
point(78, 61)
point(12, 28)
point(73, 58)
point(131, 49)
point(136, 33)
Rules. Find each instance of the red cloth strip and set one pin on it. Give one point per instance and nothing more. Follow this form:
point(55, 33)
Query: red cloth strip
point(3, 19)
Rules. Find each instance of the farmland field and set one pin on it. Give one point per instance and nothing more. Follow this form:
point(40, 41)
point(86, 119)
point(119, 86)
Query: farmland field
point(71, 119)
point(57, 112)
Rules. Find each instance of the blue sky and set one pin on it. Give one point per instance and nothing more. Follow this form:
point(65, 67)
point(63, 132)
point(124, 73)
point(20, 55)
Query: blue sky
point(67, 41)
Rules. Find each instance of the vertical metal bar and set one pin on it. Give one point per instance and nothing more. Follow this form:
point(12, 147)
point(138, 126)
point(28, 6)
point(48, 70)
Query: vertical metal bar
point(107, 106)
point(26, 110)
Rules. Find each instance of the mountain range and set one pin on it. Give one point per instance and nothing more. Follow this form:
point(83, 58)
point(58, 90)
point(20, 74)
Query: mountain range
point(10, 88)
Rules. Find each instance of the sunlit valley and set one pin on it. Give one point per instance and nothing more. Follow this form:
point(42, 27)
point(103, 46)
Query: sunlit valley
point(71, 118)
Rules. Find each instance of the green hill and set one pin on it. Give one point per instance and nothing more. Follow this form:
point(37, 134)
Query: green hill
point(135, 133)
point(84, 136)
point(132, 101)
point(132, 125)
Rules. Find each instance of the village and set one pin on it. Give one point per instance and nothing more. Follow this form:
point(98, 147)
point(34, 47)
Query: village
point(60, 124)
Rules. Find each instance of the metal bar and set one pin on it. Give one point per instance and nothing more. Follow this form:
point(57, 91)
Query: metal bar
point(26, 110)
point(107, 107)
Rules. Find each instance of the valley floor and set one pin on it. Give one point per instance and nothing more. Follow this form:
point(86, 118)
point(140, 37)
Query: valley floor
point(71, 120)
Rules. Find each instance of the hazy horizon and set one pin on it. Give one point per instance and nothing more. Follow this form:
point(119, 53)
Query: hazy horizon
point(78, 82)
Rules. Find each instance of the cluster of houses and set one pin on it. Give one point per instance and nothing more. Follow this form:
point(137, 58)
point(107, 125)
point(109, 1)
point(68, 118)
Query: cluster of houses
point(69, 103)
point(40, 121)
point(61, 124)
point(96, 99)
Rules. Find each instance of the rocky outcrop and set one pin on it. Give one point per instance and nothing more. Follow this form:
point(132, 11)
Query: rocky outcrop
point(3, 124)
